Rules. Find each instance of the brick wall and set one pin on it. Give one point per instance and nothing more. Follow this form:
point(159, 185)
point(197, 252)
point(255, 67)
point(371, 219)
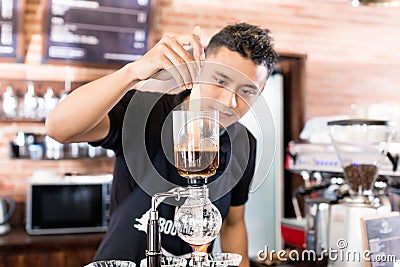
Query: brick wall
point(15, 172)
point(351, 53)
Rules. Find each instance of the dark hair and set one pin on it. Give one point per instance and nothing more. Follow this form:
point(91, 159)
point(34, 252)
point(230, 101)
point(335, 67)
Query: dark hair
point(250, 41)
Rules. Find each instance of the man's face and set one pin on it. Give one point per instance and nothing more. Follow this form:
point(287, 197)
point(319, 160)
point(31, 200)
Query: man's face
point(230, 83)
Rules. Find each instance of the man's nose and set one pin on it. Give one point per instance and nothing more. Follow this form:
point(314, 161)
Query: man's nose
point(228, 98)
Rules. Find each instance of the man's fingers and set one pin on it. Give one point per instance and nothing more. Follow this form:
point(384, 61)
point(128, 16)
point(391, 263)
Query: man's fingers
point(176, 60)
point(182, 59)
point(173, 64)
point(193, 40)
point(192, 65)
point(162, 75)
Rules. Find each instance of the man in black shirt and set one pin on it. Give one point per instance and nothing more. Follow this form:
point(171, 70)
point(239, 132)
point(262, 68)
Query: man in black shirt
point(118, 112)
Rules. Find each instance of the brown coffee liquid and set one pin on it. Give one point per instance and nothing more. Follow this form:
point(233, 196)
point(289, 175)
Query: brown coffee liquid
point(196, 163)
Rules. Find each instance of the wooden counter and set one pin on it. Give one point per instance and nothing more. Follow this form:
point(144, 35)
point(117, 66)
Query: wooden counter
point(18, 249)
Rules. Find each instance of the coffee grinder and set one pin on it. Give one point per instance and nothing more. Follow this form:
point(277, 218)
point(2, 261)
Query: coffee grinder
point(360, 146)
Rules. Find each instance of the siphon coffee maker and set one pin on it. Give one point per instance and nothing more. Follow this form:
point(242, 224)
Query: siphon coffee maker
point(197, 220)
point(360, 146)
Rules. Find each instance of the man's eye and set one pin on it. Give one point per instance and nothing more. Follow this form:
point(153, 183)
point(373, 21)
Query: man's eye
point(248, 92)
point(219, 81)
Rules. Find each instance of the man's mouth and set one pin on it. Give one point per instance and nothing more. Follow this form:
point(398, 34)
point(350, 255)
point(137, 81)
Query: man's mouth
point(225, 114)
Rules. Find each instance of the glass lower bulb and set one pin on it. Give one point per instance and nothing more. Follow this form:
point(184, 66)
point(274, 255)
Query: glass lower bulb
point(198, 221)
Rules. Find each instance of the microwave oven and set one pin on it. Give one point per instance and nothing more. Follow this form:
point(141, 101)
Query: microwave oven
point(69, 204)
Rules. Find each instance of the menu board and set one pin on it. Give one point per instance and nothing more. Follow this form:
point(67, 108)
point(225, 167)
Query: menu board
point(11, 17)
point(96, 32)
point(381, 237)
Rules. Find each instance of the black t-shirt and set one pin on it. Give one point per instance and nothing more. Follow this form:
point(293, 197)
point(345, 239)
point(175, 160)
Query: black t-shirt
point(130, 204)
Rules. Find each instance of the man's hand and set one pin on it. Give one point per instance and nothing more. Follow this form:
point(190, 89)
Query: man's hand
point(81, 117)
point(169, 59)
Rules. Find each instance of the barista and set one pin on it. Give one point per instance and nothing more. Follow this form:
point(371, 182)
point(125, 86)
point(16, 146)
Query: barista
point(237, 63)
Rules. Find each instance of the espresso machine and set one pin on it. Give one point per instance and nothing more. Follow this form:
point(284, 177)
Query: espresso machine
point(361, 145)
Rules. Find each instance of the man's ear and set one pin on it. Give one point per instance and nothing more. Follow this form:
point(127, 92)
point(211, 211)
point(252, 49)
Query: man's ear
point(263, 85)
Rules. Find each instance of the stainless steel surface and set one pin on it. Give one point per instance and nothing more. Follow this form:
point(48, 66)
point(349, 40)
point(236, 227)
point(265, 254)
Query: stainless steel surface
point(312, 157)
point(43, 179)
point(153, 251)
point(317, 216)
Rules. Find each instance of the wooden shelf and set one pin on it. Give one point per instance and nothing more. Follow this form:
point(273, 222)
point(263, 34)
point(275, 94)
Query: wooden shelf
point(49, 72)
